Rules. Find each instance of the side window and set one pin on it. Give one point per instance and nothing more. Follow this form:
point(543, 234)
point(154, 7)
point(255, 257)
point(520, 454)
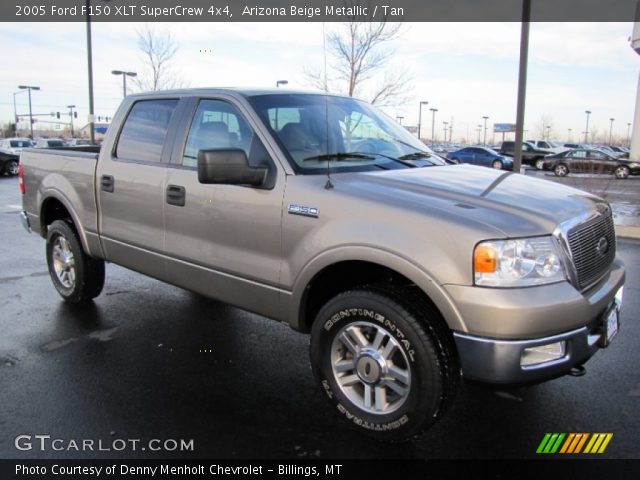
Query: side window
point(216, 125)
point(578, 154)
point(145, 130)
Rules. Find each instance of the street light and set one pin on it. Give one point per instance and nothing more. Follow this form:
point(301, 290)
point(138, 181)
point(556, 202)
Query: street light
point(445, 131)
point(569, 136)
point(399, 118)
point(29, 88)
point(586, 130)
point(479, 130)
point(281, 82)
point(124, 79)
point(611, 129)
point(485, 130)
point(433, 124)
point(71, 107)
point(420, 116)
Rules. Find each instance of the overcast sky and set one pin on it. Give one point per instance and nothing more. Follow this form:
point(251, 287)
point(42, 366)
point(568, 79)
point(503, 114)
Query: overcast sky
point(464, 70)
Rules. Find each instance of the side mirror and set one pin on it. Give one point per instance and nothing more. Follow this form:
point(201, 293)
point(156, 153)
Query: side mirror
point(229, 166)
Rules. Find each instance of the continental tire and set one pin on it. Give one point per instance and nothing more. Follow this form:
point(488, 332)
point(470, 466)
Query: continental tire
point(381, 363)
point(76, 276)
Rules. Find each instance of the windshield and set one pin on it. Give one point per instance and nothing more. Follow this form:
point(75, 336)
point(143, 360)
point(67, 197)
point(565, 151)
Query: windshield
point(316, 130)
point(55, 143)
point(20, 143)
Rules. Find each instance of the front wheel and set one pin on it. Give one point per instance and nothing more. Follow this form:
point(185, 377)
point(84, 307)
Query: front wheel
point(539, 164)
point(622, 172)
point(76, 276)
point(387, 367)
point(497, 164)
point(560, 170)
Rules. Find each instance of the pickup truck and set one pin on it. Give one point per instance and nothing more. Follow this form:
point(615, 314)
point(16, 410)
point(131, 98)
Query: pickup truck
point(530, 155)
point(321, 212)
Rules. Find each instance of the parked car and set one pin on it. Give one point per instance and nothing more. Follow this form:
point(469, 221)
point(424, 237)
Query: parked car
point(49, 143)
point(530, 155)
point(15, 145)
point(78, 142)
point(552, 147)
point(590, 161)
point(482, 156)
point(407, 274)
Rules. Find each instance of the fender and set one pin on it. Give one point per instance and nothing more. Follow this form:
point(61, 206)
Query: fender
point(391, 260)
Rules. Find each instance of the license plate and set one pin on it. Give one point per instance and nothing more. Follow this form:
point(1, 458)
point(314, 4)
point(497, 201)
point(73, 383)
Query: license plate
point(611, 325)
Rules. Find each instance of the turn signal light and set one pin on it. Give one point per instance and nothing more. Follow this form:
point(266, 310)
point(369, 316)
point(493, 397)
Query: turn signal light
point(485, 259)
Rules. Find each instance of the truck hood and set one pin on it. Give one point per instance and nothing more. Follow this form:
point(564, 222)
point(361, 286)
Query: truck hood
point(514, 204)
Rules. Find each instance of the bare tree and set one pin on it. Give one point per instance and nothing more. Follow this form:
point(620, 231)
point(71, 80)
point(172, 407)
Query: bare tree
point(158, 50)
point(360, 55)
point(545, 127)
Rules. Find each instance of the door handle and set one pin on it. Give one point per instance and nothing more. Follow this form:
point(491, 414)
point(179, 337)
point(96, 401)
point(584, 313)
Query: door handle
point(106, 183)
point(176, 195)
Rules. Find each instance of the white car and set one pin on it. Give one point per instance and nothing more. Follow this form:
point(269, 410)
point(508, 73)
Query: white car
point(49, 143)
point(14, 145)
point(553, 147)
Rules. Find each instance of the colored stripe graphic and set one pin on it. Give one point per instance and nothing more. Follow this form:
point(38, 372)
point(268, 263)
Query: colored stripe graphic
point(573, 443)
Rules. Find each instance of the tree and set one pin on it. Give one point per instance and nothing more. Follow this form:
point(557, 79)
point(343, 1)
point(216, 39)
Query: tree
point(359, 54)
point(158, 50)
point(545, 127)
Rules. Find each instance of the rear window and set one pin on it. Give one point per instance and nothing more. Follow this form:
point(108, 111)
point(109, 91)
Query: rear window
point(19, 144)
point(145, 130)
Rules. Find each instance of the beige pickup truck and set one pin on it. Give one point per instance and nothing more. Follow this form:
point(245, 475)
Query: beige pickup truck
point(321, 212)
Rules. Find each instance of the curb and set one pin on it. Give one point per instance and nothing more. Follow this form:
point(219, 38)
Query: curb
point(628, 232)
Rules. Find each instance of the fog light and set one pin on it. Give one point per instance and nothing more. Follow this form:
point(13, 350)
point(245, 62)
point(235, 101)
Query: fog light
point(542, 354)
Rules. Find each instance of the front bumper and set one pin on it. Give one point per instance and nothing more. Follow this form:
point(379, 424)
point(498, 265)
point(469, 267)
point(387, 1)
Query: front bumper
point(24, 220)
point(500, 361)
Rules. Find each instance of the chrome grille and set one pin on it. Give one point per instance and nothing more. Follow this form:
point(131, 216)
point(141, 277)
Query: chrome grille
point(593, 248)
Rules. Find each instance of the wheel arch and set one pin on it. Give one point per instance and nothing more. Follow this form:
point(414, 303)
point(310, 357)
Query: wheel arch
point(350, 267)
point(54, 207)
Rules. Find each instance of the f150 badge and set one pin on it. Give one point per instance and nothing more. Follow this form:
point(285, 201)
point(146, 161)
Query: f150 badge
point(304, 210)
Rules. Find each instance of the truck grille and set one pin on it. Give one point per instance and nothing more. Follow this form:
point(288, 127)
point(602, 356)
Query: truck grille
point(593, 248)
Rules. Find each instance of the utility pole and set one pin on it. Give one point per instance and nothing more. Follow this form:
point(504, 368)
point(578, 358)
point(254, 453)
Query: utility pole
point(29, 88)
point(71, 107)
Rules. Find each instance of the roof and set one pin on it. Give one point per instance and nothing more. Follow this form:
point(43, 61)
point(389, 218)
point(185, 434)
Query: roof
point(246, 92)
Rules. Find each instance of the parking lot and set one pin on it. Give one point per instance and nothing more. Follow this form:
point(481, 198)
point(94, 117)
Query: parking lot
point(150, 361)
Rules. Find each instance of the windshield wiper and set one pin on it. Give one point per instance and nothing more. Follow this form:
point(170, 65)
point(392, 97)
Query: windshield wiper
point(340, 156)
point(414, 156)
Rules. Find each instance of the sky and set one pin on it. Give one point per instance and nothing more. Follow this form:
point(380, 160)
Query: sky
point(466, 71)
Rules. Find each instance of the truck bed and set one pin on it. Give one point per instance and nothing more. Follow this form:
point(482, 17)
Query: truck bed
point(68, 170)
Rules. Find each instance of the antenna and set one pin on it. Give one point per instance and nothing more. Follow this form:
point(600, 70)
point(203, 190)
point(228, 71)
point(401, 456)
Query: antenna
point(329, 184)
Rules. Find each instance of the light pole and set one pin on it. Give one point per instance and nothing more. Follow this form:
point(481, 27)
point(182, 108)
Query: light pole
point(433, 124)
point(124, 79)
point(611, 129)
point(281, 82)
point(445, 131)
point(485, 131)
point(569, 136)
point(399, 118)
point(15, 112)
point(586, 130)
point(424, 102)
point(548, 127)
point(71, 107)
point(628, 133)
point(29, 88)
point(479, 130)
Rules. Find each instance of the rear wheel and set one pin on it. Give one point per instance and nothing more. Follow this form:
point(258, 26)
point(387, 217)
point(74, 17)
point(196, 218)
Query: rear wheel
point(622, 172)
point(455, 160)
point(76, 276)
point(11, 167)
point(497, 164)
point(561, 170)
point(386, 364)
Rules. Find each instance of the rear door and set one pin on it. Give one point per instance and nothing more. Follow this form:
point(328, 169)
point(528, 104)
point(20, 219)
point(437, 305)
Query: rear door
point(224, 240)
point(130, 182)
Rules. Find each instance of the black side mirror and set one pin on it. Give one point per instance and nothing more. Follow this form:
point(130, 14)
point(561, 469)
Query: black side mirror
point(230, 166)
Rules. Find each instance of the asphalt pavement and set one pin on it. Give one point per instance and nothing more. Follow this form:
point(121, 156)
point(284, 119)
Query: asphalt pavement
point(150, 361)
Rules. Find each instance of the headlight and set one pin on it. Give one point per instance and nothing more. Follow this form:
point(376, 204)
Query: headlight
point(517, 263)
point(634, 165)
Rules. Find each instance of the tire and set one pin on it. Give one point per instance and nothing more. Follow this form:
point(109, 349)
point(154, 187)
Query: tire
point(11, 167)
point(539, 163)
point(497, 164)
point(388, 346)
point(560, 170)
point(76, 276)
point(621, 172)
point(455, 160)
